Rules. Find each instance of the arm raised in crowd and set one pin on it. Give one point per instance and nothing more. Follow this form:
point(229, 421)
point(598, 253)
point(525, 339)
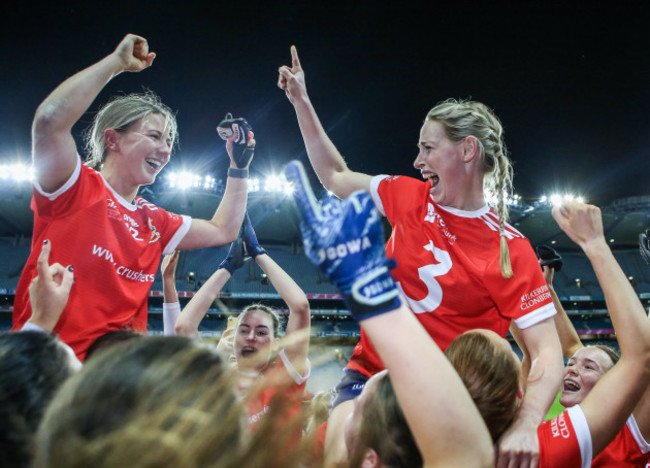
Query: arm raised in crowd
point(54, 150)
point(624, 388)
point(192, 314)
point(326, 160)
point(299, 321)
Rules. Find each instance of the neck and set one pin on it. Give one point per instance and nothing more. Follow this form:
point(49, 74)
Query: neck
point(127, 190)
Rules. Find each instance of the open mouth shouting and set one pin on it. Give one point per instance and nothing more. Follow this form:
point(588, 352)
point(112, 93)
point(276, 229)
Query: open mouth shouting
point(570, 386)
point(248, 351)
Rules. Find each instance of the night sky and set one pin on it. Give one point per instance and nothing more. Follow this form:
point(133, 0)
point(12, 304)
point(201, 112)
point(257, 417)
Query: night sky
point(570, 81)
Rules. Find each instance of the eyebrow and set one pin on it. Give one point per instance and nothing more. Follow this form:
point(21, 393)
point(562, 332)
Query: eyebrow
point(258, 326)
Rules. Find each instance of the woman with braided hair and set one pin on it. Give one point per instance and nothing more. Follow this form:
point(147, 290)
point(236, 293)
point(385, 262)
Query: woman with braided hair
point(459, 264)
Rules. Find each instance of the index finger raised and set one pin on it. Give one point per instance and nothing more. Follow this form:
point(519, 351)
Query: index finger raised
point(295, 61)
point(43, 262)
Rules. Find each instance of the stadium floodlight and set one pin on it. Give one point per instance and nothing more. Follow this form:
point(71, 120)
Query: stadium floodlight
point(17, 172)
point(273, 184)
point(209, 182)
point(254, 184)
point(557, 199)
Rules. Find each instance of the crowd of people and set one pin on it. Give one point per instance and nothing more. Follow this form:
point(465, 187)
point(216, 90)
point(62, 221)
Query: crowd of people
point(433, 380)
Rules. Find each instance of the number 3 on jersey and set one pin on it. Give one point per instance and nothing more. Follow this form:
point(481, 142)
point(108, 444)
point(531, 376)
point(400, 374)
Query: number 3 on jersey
point(428, 275)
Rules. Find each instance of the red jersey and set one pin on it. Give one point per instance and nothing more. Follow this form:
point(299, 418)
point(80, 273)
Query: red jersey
point(115, 249)
point(628, 449)
point(281, 381)
point(448, 270)
point(565, 441)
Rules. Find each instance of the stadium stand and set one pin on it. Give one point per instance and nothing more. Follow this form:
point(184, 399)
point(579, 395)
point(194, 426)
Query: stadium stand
point(332, 328)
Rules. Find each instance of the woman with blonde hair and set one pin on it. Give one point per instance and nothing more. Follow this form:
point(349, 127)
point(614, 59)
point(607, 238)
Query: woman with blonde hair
point(419, 413)
point(460, 265)
point(113, 238)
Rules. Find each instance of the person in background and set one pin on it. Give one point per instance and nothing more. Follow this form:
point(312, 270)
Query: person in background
point(268, 368)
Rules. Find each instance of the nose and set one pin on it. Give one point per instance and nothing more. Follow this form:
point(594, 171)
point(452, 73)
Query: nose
point(250, 336)
point(165, 149)
point(418, 163)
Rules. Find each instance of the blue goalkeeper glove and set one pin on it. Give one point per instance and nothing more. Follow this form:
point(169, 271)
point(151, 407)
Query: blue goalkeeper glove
point(344, 239)
point(242, 152)
point(235, 258)
point(252, 246)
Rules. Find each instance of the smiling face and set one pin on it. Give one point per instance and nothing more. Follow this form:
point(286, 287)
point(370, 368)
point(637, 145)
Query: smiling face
point(254, 340)
point(141, 151)
point(440, 161)
point(582, 372)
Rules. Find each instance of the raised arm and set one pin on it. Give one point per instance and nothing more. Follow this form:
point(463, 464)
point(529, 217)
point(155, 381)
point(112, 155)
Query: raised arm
point(171, 306)
point(53, 147)
point(224, 226)
point(191, 316)
point(446, 424)
point(299, 322)
point(326, 160)
point(625, 386)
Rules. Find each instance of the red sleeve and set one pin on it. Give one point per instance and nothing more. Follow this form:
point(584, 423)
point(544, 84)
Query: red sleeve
point(525, 297)
point(395, 196)
point(83, 188)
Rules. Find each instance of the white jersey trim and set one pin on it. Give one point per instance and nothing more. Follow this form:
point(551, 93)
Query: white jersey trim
point(293, 372)
point(374, 192)
point(536, 316)
point(463, 213)
point(65, 187)
point(636, 433)
point(121, 200)
point(179, 235)
point(583, 434)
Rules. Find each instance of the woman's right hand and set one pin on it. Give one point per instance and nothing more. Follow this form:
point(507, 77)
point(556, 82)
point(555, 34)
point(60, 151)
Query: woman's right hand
point(133, 53)
point(292, 80)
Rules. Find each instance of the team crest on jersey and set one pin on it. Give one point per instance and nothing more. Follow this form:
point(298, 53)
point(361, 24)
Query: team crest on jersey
point(434, 218)
point(155, 235)
point(112, 211)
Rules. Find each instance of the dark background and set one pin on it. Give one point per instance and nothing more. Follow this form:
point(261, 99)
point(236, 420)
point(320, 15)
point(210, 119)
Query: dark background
point(570, 81)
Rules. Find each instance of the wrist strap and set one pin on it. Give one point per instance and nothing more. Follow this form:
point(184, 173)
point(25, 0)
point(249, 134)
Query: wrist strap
point(238, 173)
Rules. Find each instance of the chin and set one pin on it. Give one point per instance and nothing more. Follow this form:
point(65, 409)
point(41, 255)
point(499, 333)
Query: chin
point(570, 401)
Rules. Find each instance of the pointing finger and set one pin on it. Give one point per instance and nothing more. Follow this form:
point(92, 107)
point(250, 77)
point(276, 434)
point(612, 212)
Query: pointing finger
point(42, 263)
point(294, 57)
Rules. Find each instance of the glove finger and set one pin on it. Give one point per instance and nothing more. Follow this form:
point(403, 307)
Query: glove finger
point(308, 206)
